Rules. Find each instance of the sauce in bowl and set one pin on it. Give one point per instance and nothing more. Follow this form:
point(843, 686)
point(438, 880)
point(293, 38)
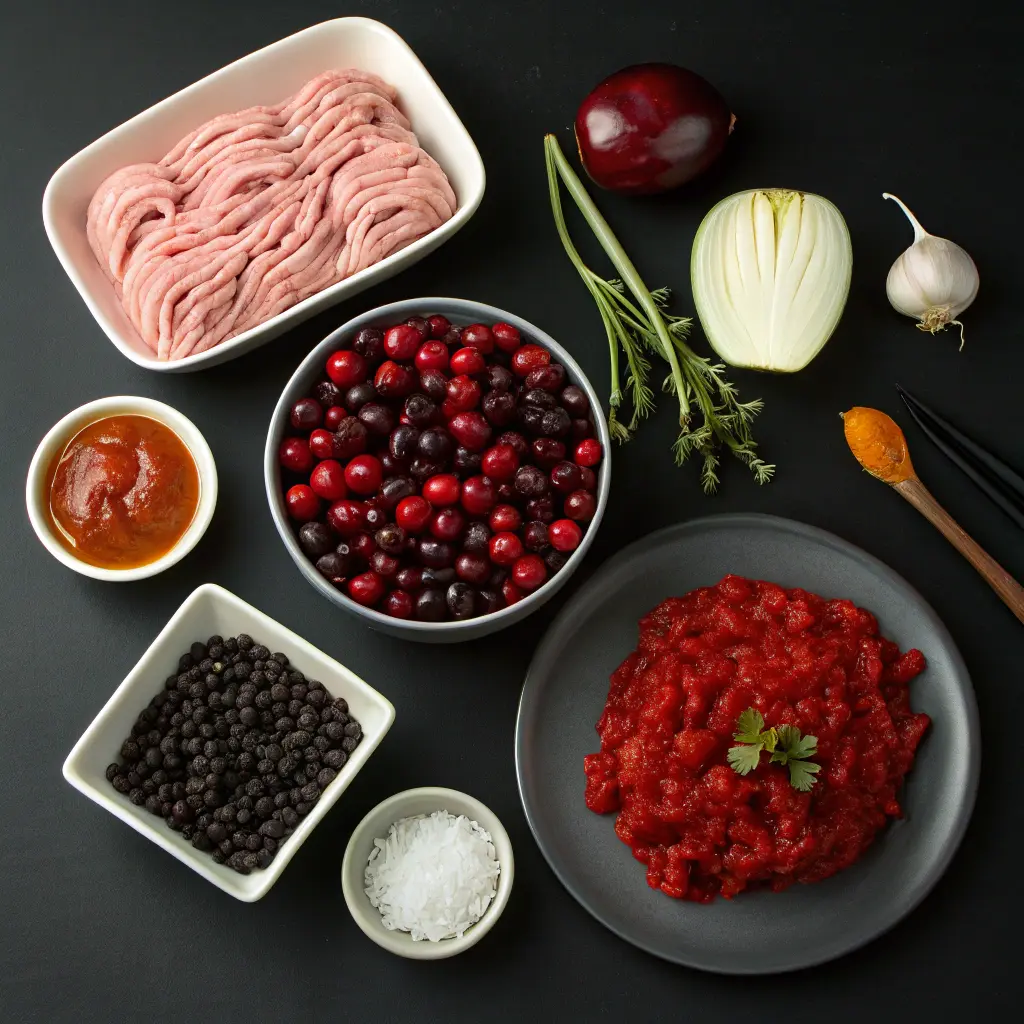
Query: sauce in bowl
point(123, 492)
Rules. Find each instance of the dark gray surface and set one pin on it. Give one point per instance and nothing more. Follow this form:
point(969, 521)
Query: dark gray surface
point(847, 100)
point(566, 689)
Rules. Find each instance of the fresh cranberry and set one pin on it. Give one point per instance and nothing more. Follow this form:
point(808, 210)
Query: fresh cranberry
point(581, 429)
point(447, 523)
point(438, 325)
point(471, 430)
point(547, 452)
point(295, 454)
point(541, 509)
point(499, 378)
point(335, 565)
point(530, 482)
point(479, 495)
point(449, 410)
point(529, 572)
point(442, 489)
point(398, 604)
point(515, 439)
point(463, 395)
point(574, 401)
point(369, 343)
point(506, 337)
point(505, 519)
point(581, 506)
point(384, 565)
point(435, 554)
point(476, 538)
point(499, 407)
point(346, 517)
point(306, 414)
point(564, 535)
point(362, 545)
point(328, 481)
point(478, 336)
point(432, 355)
point(430, 606)
point(321, 443)
point(528, 358)
point(434, 384)
point(588, 452)
point(366, 589)
point(378, 418)
point(413, 513)
point(394, 381)
point(334, 416)
point(409, 578)
point(511, 593)
point(401, 342)
point(346, 368)
point(500, 462)
point(535, 536)
point(461, 600)
point(375, 514)
point(302, 503)
point(358, 395)
point(327, 393)
point(390, 538)
point(566, 477)
point(349, 439)
point(402, 442)
point(505, 548)
point(453, 337)
point(420, 324)
point(589, 478)
point(468, 361)
point(547, 378)
point(473, 568)
point(363, 474)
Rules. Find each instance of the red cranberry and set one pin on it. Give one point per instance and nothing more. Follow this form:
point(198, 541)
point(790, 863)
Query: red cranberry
point(346, 368)
point(328, 481)
point(438, 325)
point(362, 546)
point(555, 423)
point(358, 395)
point(413, 513)
point(505, 519)
point(476, 538)
point(478, 336)
point(473, 568)
point(499, 378)
point(463, 394)
point(421, 324)
point(448, 409)
point(398, 604)
point(505, 548)
point(409, 578)
point(471, 430)
point(430, 606)
point(466, 462)
point(295, 455)
point(401, 342)
point(393, 380)
point(589, 478)
point(302, 503)
point(588, 452)
point(528, 358)
point(448, 523)
point(437, 554)
point(367, 588)
point(499, 407)
point(564, 535)
point(535, 536)
point(566, 477)
point(581, 506)
point(529, 572)
point(369, 343)
point(500, 462)
point(542, 509)
point(375, 515)
point(547, 378)
point(384, 565)
point(433, 355)
point(435, 444)
point(334, 416)
point(346, 517)
point(321, 443)
point(530, 481)
point(511, 593)
point(479, 495)
point(306, 414)
point(434, 384)
point(468, 361)
point(548, 452)
point(461, 600)
point(581, 429)
point(515, 439)
point(442, 489)
point(394, 489)
point(506, 337)
point(574, 401)
point(349, 439)
point(363, 474)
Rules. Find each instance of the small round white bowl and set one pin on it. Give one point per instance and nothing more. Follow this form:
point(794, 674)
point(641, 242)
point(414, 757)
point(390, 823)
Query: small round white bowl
point(37, 498)
point(375, 826)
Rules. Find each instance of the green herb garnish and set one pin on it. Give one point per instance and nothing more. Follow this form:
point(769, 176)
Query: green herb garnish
point(785, 744)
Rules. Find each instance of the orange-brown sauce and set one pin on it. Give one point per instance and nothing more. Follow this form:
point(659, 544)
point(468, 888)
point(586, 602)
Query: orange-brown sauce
point(123, 491)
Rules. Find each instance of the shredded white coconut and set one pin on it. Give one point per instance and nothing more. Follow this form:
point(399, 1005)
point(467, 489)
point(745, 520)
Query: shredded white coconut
point(433, 876)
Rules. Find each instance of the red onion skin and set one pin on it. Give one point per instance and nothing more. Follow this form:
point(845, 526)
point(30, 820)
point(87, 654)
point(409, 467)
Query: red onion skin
point(650, 128)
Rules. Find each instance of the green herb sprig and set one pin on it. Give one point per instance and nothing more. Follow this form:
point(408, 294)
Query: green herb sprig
point(785, 744)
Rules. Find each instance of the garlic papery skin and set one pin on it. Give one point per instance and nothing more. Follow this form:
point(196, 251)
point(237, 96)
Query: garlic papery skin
point(770, 271)
point(934, 280)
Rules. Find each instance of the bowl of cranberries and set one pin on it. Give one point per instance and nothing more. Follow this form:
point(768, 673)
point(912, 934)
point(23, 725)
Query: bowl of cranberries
point(438, 467)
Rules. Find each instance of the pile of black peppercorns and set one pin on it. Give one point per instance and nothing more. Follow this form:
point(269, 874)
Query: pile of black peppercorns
point(235, 750)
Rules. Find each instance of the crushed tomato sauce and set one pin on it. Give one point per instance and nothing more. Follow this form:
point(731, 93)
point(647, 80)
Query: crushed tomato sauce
point(703, 659)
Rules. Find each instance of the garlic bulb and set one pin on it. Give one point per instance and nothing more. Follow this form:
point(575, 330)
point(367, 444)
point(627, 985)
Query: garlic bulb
point(770, 272)
point(934, 280)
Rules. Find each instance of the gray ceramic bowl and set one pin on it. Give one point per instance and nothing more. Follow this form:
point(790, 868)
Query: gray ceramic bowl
point(459, 311)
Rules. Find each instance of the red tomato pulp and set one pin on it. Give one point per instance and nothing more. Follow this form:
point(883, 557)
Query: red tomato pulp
point(703, 659)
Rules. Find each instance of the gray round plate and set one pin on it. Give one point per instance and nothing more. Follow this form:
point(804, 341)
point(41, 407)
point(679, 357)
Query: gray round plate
point(758, 932)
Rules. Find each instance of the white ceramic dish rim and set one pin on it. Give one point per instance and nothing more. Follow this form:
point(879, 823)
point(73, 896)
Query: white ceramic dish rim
point(483, 312)
point(430, 798)
point(468, 205)
point(66, 428)
point(140, 675)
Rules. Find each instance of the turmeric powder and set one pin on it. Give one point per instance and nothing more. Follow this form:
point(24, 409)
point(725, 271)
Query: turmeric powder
point(878, 444)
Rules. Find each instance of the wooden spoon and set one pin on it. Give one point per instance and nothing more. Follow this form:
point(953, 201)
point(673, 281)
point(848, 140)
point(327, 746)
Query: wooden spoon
point(879, 446)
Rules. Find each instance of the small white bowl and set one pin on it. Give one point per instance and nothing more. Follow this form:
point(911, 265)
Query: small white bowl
point(375, 826)
point(37, 496)
point(266, 76)
point(210, 610)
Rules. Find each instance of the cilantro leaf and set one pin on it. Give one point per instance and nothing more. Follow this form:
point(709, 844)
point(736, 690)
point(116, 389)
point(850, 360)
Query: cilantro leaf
point(744, 758)
point(801, 775)
point(785, 744)
point(749, 726)
point(789, 736)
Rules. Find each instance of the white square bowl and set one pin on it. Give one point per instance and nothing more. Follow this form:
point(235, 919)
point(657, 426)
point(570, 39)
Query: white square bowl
point(207, 611)
point(266, 76)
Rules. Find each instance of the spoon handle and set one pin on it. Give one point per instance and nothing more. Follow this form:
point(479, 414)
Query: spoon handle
point(997, 577)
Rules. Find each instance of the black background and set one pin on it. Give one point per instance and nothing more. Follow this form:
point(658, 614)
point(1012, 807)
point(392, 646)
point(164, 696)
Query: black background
point(845, 99)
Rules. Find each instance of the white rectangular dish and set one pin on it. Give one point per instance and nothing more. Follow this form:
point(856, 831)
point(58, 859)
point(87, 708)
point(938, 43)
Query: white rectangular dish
point(211, 610)
point(266, 76)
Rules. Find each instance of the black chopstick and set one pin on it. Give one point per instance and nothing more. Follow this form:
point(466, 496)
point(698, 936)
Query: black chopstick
point(1003, 485)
